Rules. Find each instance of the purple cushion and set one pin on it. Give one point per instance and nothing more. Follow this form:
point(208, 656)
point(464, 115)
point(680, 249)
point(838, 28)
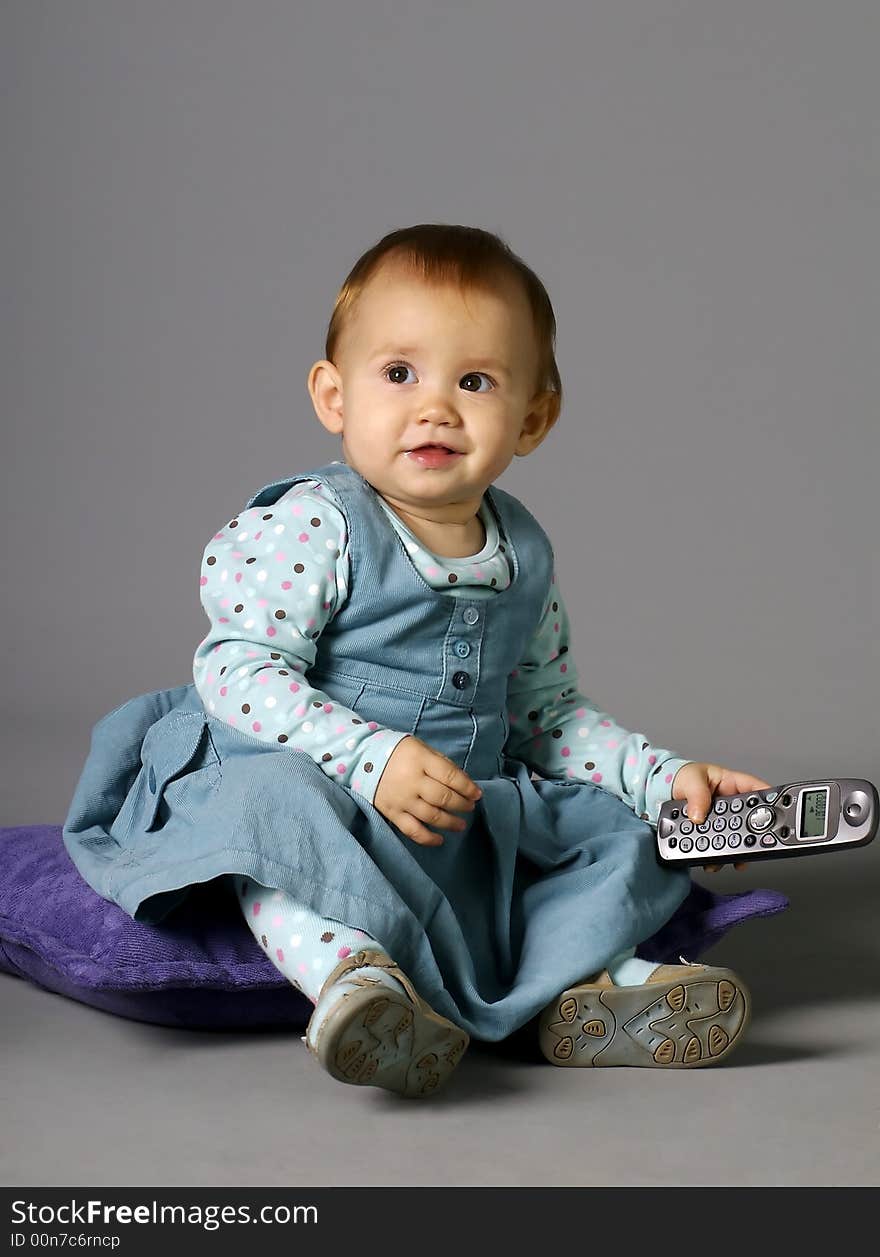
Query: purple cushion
point(202, 967)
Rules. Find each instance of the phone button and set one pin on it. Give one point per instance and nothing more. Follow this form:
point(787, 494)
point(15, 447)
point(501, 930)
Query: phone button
point(686, 827)
point(718, 842)
point(720, 806)
point(736, 805)
point(771, 795)
point(856, 807)
point(702, 844)
point(769, 840)
point(685, 845)
point(761, 818)
point(734, 840)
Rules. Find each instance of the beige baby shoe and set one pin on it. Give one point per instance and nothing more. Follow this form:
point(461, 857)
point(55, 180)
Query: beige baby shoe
point(682, 1016)
point(372, 1033)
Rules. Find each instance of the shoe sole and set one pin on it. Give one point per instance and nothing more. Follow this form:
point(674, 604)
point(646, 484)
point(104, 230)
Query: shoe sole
point(381, 1039)
point(678, 1024)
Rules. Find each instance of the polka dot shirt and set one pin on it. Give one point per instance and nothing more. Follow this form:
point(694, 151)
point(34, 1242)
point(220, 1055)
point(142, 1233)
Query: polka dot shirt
point(273, 577)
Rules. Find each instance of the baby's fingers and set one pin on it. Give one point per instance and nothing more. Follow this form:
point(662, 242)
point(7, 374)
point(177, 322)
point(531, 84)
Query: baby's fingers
point(460, 786)
point(411, 827)
point(444, 797)
point(435, 816)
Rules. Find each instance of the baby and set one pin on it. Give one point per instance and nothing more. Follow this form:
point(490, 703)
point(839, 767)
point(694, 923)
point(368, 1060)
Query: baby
point(431, 831)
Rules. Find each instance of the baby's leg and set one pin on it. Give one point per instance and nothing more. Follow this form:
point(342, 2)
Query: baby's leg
point(628, 969)
point(302, 944)
point(369, 1024)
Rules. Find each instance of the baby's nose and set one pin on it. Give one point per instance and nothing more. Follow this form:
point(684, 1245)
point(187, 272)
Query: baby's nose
point(439, 402)
point(440, 412)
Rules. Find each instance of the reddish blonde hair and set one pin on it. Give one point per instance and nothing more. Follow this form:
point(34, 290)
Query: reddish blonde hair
point(449, 253)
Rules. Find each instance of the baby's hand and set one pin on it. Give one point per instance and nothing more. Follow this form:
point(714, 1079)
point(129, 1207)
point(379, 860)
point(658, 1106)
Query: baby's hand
point(697, 783)
point(417, 785)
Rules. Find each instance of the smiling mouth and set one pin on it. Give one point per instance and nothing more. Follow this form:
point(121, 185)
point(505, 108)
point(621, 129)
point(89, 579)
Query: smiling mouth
point(446, 448)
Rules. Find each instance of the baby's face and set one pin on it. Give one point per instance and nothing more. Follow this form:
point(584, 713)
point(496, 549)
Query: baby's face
point(421, 366)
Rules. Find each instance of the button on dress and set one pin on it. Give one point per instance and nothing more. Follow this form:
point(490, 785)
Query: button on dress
point(550, 879)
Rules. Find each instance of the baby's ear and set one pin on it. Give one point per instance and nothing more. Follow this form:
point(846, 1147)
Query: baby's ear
point(325, 390)
point(543, 413)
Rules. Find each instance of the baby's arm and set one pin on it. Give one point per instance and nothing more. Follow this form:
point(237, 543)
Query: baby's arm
point(558, 732)
point(271, 579)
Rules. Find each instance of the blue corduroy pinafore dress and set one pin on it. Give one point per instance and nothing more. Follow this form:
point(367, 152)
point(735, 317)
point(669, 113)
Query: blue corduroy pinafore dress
point(549, 880)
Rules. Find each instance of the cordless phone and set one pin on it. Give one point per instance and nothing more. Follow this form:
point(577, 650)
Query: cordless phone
point(802, 818)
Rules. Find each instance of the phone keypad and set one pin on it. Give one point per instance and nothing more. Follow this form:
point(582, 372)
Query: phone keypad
point(723, 828)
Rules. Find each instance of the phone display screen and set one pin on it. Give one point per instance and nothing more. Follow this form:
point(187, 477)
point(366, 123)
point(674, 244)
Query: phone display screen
point(814, 811)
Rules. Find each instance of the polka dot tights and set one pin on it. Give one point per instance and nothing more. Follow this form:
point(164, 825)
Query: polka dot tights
point(299, 942)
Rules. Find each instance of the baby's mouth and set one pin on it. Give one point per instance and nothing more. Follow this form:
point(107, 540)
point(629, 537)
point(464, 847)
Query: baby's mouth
point(433, 455)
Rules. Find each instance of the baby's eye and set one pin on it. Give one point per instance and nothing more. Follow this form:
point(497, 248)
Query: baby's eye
point(396, 366)
point(476, 375)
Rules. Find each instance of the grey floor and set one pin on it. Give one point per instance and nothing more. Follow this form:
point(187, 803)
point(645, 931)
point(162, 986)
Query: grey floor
point(89, 1099)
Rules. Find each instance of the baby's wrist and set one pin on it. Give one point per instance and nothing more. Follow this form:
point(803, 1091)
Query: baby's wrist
point(661, 785)
point(370, 760)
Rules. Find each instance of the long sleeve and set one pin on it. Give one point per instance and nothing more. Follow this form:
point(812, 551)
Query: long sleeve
point(271, 580)
point(558, 732)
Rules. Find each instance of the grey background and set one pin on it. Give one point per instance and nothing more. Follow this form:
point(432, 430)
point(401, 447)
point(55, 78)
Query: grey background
point(186, 184)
